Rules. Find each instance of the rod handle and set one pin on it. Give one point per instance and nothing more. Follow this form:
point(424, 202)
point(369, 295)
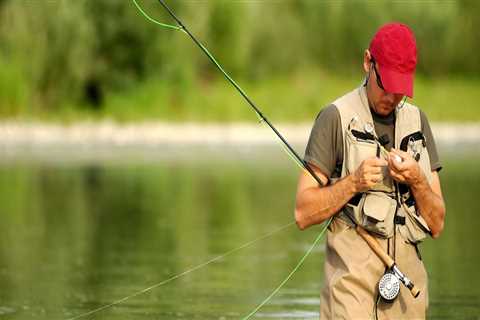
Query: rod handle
point(373, 243)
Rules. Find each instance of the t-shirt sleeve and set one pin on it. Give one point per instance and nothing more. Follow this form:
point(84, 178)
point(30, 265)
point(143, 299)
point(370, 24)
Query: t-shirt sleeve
point(430, 141)
point(325, 144)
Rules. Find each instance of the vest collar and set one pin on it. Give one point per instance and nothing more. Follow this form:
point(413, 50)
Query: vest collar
point(364, 110)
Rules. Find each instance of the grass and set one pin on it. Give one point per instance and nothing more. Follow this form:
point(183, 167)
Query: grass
point(296, 98)
point(449, 99)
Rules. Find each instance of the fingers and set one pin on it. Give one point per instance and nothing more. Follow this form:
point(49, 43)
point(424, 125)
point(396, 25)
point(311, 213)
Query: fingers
point(376, 162)
point(399, 160)
point(368, 181)
point(374, 165)
point(376, 178)
point(397, 176)
point(394, 161)
point(370, 173)
point(404, 155)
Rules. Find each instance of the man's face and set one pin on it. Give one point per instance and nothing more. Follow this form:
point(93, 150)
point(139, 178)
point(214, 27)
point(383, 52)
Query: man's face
point(382, 102)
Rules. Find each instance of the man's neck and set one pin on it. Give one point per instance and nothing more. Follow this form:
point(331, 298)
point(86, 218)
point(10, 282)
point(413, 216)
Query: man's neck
point(388, 119)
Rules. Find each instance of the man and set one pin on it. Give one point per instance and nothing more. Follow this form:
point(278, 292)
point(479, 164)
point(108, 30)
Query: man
point(378, 162)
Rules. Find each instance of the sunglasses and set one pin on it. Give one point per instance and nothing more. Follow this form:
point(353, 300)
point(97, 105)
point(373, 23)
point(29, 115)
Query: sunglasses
point(377, 75)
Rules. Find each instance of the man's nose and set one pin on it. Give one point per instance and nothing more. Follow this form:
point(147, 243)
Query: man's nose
point(390, 97)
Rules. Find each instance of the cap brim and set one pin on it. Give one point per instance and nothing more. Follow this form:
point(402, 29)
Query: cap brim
point(396, 82)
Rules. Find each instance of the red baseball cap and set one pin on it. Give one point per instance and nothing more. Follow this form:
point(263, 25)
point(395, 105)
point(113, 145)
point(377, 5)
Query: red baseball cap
point(394, 50)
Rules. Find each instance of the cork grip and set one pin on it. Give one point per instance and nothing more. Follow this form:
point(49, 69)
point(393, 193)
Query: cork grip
point(373, 243)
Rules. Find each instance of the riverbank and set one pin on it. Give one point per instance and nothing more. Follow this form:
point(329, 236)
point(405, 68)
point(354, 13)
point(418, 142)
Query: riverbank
point(294, 98)
point(108, 133)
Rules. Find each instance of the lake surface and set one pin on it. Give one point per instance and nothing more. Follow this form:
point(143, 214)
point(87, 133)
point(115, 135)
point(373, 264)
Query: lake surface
point(80, 230)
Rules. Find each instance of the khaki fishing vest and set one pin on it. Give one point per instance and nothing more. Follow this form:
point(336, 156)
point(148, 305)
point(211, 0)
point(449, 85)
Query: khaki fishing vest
point(388, 203)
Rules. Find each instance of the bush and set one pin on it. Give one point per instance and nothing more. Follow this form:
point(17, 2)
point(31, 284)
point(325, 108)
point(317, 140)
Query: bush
point(56, 53)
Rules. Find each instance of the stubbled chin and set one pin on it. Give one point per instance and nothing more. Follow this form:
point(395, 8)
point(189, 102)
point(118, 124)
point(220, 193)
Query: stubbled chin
point(385, 110)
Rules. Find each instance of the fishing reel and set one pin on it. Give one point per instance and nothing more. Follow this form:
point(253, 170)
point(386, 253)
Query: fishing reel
point(389, 286)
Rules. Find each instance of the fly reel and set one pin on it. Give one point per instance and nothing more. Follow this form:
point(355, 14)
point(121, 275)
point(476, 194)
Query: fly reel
point(389, 286)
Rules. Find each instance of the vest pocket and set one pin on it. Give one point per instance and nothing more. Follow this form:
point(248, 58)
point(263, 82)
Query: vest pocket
point(415, 228)
point(415, 144)
point(357, 151)
point(378, 213)
point(361, 147)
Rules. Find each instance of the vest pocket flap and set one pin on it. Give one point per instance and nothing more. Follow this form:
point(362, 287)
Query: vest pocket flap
point(379, 206)
point(418, 218)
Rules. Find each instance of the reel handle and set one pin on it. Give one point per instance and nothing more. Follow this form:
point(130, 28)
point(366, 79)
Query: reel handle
point(414, 291)
point(389, 262)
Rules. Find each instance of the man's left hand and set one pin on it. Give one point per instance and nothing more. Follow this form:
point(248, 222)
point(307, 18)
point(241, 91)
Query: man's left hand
point(407, 170)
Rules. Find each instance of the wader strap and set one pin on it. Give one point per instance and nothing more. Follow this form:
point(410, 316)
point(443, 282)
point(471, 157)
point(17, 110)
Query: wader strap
point(418, 251)
point(410, 201)
point(343, 216)
point(355, 200)
point(403, 188)
point(399, 220)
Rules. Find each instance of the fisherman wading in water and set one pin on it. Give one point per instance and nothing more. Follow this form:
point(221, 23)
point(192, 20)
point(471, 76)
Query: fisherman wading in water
point(377, 158)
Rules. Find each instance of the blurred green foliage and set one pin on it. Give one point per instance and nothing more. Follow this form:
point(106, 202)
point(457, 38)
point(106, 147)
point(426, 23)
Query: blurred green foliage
point(74, 55)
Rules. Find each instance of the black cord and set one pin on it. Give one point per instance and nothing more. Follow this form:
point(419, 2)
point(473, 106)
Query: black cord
point(377, 300)
point(394, 242)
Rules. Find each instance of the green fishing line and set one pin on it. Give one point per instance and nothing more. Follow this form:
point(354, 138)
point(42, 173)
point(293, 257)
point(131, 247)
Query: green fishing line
point(299, 264)
point(153, 20)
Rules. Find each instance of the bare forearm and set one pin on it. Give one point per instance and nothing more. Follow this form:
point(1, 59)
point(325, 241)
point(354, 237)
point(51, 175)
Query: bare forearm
point(430, 205)
point(316, 204)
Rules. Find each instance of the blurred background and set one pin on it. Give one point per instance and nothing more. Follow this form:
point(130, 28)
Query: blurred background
point(126, 158)
point(70, 60)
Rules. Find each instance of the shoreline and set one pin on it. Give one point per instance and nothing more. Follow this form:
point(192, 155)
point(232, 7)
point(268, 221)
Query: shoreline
point(93, 143)
point(31, 134)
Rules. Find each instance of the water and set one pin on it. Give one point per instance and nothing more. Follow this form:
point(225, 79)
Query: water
point(80, 232)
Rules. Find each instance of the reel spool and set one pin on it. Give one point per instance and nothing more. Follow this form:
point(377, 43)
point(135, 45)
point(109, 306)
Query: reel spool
point(389, 286)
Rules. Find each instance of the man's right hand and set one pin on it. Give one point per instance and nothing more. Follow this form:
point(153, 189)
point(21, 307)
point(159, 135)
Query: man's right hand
point(368, 174)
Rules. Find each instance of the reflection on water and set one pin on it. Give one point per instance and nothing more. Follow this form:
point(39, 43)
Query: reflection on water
point(77, 235)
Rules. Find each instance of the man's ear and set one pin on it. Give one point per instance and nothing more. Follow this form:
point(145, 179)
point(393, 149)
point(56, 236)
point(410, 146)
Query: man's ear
point(367, 59)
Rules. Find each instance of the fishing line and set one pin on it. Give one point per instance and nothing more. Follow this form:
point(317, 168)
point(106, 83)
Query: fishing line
point(153, 20)
point(290, 151)
point(206, 263)
point(299, 264)
point(182, 274)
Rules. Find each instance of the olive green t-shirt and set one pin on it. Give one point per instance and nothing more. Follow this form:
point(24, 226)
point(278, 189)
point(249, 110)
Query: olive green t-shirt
point(325, 145)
